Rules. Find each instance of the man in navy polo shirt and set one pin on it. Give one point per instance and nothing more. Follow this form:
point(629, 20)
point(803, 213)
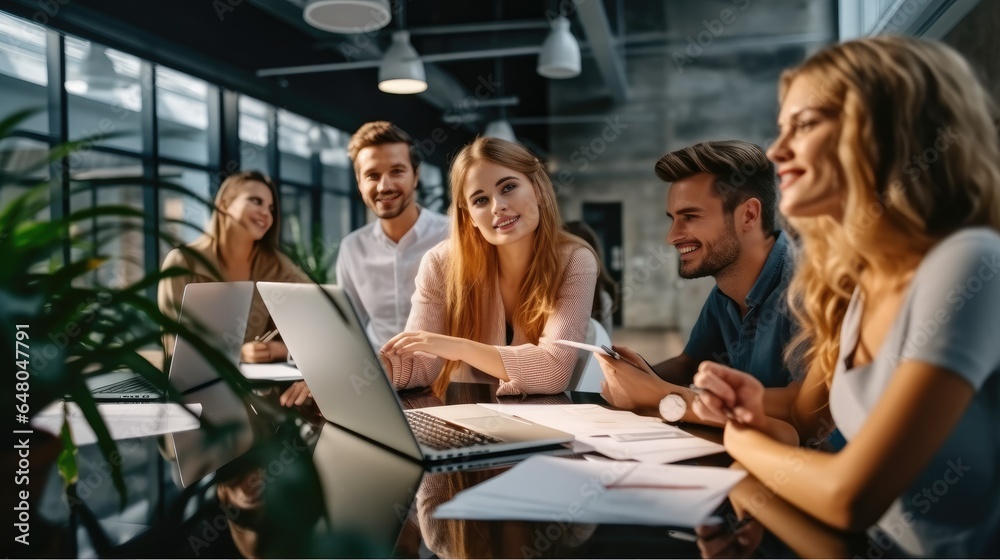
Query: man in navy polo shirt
point(722, 203)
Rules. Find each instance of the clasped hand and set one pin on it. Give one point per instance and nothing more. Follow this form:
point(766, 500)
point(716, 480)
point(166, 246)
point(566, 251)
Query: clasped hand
point(729, 394)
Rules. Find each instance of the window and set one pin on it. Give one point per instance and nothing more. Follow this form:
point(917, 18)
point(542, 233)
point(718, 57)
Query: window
point(182, 111)
point(25, 159)
point(121, 240)
point(23, 73)
point(253, 135)
point(105, 98)
point(176, 207)
point(295, 146)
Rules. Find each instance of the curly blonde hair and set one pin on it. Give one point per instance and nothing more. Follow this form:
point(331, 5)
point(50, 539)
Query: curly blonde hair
point(919, 152)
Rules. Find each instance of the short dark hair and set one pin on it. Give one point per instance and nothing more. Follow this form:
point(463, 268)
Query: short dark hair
point(376, 133)
point(741, 169)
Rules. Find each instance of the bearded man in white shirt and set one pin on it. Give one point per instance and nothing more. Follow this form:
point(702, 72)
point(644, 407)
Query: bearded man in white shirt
point(377, 264)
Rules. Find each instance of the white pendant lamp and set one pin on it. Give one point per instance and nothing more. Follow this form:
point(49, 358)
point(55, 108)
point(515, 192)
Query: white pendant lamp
point(401, 70)
point(501, 129)
point(560, 56)
point(347, 16)
point(98, 72)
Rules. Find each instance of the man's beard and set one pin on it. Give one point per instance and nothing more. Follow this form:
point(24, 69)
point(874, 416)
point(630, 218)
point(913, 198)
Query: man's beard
point(720, 254)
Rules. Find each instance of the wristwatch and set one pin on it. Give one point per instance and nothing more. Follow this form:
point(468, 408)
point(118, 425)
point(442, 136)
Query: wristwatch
point(673, 407)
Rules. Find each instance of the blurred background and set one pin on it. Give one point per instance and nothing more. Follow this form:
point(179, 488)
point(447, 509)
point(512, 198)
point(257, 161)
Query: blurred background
point(188, 91)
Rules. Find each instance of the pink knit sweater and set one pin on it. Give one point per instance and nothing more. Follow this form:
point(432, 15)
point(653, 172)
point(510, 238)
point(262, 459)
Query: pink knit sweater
point(544, 368)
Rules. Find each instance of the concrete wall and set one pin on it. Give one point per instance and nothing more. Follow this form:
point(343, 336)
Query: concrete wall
point(706, 78)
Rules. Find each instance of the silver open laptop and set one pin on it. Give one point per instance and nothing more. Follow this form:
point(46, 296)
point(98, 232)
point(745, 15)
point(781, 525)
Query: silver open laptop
point(220, 311)
point(350, 386)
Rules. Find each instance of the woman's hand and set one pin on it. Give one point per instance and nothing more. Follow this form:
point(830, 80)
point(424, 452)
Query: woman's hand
point(296, 395)
point(729, 394)
point(424, 344)
point(721, 541)
point(256, 352)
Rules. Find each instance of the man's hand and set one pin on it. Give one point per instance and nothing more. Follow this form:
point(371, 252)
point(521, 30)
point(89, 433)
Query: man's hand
point(629, 383)
point(296, 395)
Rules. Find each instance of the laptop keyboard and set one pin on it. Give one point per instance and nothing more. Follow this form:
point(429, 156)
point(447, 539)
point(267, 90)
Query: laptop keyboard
point(439, 434)
point(132, 385)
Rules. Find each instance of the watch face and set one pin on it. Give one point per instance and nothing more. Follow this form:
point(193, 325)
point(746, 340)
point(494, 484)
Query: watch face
point(673, 407)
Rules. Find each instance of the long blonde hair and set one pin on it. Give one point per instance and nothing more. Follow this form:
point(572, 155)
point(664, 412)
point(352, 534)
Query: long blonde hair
point(267, 245)
point(473, 264)
point(919, 152)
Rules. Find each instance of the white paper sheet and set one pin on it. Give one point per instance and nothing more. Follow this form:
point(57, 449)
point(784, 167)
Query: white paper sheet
point(546, 488)
point(603, 430)
point(124, 421)
point(280, 371)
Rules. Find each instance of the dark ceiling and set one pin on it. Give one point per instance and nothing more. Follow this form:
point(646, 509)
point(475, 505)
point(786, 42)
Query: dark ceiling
point(228, 41)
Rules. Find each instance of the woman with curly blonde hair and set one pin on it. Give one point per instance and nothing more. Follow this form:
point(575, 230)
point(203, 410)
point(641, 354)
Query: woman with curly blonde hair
point(889, 160)
point(492, 299)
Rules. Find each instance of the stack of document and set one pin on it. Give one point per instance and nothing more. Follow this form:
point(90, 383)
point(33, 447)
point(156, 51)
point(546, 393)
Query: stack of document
point(124, 421)
point(545, 488)
point(617, 434)
point(280, 371)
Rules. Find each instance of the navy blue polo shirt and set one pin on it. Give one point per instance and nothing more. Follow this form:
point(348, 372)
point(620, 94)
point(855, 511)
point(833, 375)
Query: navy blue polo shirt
point(755, 343)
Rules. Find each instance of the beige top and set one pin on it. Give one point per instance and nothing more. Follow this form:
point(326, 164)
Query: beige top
point(265, 269)
point(543, 368)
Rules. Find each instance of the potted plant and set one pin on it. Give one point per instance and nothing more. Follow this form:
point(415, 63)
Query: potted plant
point(57, 328)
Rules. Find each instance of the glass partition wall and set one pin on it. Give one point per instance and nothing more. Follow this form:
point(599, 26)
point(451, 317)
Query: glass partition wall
point(144, 125)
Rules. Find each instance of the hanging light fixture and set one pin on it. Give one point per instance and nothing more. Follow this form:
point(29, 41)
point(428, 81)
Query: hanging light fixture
point(560, 56)
point(401, 70)
point(501, 129)
point(318, 140)
point(98, 72)
point(347, 16)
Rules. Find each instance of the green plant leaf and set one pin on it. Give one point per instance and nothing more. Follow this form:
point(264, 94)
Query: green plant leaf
point(68, 468)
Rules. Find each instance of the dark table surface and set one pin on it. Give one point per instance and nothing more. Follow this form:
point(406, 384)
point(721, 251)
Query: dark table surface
point(314, 489)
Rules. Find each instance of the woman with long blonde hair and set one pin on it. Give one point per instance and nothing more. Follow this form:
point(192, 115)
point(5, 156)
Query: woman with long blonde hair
point(241, 244)
point(889, 160)
point(509, 281)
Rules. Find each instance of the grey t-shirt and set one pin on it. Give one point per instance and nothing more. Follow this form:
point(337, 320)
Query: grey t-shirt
point(950, 318)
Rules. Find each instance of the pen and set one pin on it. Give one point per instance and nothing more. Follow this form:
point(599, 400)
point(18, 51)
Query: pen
point(657, 486)
point(611, 352)
point(700, 391)
point(266, 337)
point(681, 535)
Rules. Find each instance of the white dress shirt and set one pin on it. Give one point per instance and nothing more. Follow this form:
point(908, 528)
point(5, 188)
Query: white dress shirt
point(378, 274)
